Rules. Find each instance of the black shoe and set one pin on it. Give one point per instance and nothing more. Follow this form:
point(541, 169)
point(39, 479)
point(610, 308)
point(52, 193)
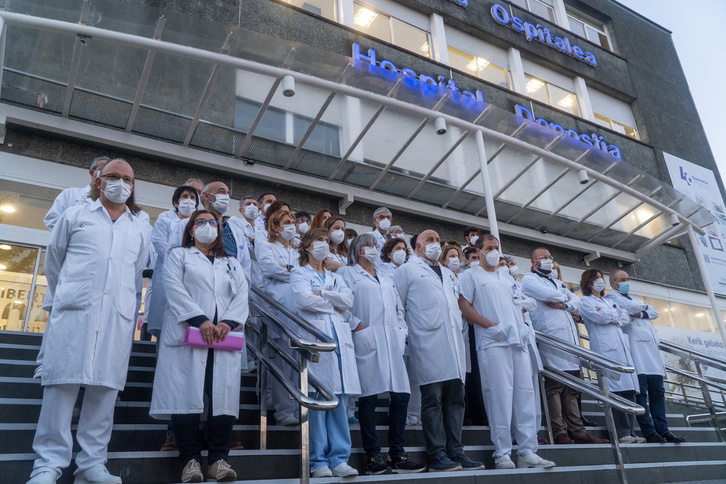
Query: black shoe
point(587, 423)
point(377, 465)
point(654, 438)
point(672, 438)
point(468, 464)
point(404, 465)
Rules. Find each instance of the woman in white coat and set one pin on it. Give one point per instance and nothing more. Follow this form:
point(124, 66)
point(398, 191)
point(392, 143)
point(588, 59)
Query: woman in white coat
point(338, 245)
point(380, 340)
point(206, 289)
point(322, 299)
point(604, 320)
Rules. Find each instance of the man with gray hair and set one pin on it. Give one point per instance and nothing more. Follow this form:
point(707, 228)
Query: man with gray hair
point(382, 220)
point(70, 197)
point(646, 356)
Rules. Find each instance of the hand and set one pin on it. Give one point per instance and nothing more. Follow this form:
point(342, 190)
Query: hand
point(555, 305)
point(221, 331)
point(317, 293)
point(358, 328)
point(341, 311)
point(207, 329)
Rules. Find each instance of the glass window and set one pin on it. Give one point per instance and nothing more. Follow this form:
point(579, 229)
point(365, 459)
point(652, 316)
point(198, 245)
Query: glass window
point(543, 8)
point(619, 127)
point(478, 66)
point(17, 266)
point(550, 94)
point(590, 29)
point(24, 205)
point(324, 8)
point(391, 29)
point(38, 318)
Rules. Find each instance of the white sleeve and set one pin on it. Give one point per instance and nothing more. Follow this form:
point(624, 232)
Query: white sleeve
point(534, 288)
point(302, 293)
point(60, 205)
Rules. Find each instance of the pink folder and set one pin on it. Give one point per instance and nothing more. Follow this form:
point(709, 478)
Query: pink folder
point(234, 341)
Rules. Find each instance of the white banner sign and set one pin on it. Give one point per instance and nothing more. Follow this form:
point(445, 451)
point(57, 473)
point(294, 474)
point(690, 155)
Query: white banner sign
point(700, 185)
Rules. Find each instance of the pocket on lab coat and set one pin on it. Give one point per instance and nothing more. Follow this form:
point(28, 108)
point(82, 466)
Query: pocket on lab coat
point(72, 294)
point(127, 302)
point(364, 342)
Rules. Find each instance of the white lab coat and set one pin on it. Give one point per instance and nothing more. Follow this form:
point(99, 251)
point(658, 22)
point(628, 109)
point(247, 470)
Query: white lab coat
point(603, 320)
point(70, 197)
point(553, 322)
point(380, 345)
point(380, 238)
point(336, 369)
point(197, 287)
point(274, 278)
point(248, 230)
point(434, 322)
point(644, 340)
point(93, 266)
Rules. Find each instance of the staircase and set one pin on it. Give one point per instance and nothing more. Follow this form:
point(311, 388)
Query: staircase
point(134, 448)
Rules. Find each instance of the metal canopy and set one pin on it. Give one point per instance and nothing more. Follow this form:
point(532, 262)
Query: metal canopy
point(368, 130)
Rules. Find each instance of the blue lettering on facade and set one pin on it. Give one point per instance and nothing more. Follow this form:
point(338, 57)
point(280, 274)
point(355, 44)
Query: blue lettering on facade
point(593, 140)
point(461, 3)
point(542, 35)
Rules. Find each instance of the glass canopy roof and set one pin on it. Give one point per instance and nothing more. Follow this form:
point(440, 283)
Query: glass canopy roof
point(220, 89)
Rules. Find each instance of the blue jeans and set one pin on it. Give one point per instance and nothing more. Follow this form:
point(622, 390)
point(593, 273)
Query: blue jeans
point(442, 416)
point(652, 399)
point(329, 436)
point(625, 422)
point(396, 424)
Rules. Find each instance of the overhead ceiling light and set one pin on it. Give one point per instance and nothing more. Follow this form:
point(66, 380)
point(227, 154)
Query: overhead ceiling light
point(566, 102)
point(364, 17)
point(699, 315)
point(7, 208)
point(2, 267)
point(477, 64)
point(425, 47)
point(18, 302)
point(5, 247)
point(534, 85)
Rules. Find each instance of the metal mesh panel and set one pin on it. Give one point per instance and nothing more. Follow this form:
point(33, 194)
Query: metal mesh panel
point(32, 92)
point(269, 152)
point(159, 124)
point(359, 174)
point(316, 164)
point(217, 138)
point(434, 193)
point(100, 109)
point(468, 202)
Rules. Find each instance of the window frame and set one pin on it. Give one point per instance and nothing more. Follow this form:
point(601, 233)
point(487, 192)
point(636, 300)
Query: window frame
point(391, 31)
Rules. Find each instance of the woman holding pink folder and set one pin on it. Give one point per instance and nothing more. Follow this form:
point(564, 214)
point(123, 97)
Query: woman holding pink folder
point(207, 290)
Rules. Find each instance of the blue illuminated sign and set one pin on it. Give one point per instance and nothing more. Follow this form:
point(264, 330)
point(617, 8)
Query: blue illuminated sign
point(461, 3)
point(542, 35)
point(594, 140)
point(386, 65)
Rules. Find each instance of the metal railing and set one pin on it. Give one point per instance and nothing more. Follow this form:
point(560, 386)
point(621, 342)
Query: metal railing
point(305, 349)
point(603, 367)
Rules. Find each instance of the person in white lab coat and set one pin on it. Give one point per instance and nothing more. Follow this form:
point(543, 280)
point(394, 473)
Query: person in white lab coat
point(490, 301)
point(322, 299)
point(338, 245)
point(382, 220)
point(206, 289)
point(264, 202)
point(93, 264)
point(394, 253)
point(604, 320)
point(553, 316)
point(379, 339)
point(648, 363)
point(276, 258)
point(429, 293)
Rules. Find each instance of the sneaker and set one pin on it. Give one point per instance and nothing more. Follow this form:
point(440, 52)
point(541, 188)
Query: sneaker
point(344, 470)
point(628, 439)
point(533, 460)
point(353, 421)
point(441, 463)
point(289, 421)
point(378, 465)
point(589, 439)
point(468, 464)
point(44, 475)
point(192, 472)
point(222, 472)
point(38, 373)
point(412, 421)
point(404, 465)
point(503, 462)
point(96, 475)
point(169, 444)
point(323, 471)
point(654, 438)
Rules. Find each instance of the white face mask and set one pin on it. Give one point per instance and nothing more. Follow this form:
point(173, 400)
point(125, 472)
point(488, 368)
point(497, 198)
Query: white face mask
point(545, 265)
point(371, 253)
point(513, 271)
point(265, 207)
point(117, 191)
point(221, 203)
point(454, 263)
point(206, 234)
point(303, 227)
point(493, 257)
point(251, 211)
point(350, 240)
point(320, 250)
point(432, 251)
point(384, 224)
point(503, 270)
point(472, 240)
point(598, 285)
point(554, 274)
point(399, 257)
point(474, 263)
point(187, 207)
point(337, 236)
point(401, 236)
point(288, 231)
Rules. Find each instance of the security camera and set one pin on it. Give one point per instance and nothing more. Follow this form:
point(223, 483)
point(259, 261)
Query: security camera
point(674, 219)
point(288, 86)
point(440, 125)
point(583, 177)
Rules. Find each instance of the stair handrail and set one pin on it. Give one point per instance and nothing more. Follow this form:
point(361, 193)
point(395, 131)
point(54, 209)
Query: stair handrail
point(693, 355)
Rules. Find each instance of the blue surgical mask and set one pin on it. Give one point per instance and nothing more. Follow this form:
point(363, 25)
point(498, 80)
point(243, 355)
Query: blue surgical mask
point(624, 287)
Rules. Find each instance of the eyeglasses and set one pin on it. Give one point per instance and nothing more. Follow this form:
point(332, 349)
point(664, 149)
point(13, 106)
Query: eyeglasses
point(202, 221)
point(114, 177)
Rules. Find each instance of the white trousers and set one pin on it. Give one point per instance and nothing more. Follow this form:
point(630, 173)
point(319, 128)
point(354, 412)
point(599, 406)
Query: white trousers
point(53, 440)
point(506, 380)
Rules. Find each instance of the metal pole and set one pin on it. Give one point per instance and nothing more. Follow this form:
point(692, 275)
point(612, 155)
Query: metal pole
point(2, 50)
point(611, 429)
point(263, 387)
point(486, 181)
point(706, 282)
point(304, 428)
point(709, 403)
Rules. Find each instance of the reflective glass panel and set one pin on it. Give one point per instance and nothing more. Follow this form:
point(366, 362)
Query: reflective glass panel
point(17, 265)
point(411, 38)
point(371, 22)
point(324, 8)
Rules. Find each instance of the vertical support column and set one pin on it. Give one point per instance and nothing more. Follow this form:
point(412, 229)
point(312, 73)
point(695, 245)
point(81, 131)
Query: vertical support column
point(611, 429)
point(516, 70)
point(344, 9)
point(583, 98)
point(2, 51)
point(304, 427)
point(438, 47)
point(561, 14)
point(486, 181)
point(707, 282)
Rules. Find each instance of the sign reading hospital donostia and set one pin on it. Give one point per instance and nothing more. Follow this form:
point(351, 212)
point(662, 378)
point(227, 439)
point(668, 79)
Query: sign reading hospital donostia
point(542, 35)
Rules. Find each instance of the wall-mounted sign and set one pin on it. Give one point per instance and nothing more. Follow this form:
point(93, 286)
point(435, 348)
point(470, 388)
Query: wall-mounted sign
point(440, 81)
point(461, 3)
point(542, 35)
point(596, 141)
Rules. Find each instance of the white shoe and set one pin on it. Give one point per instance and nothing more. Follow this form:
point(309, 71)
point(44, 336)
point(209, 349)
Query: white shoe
point(44, 475)
point(412, 421)
point(96, 475)
point(533, 460)
point(628, 439)
point(192, 472)
point(323, 471)
point(639, 440)
point(289, 421)
point(344, 470)
point(503, 462)
point(38, 372)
